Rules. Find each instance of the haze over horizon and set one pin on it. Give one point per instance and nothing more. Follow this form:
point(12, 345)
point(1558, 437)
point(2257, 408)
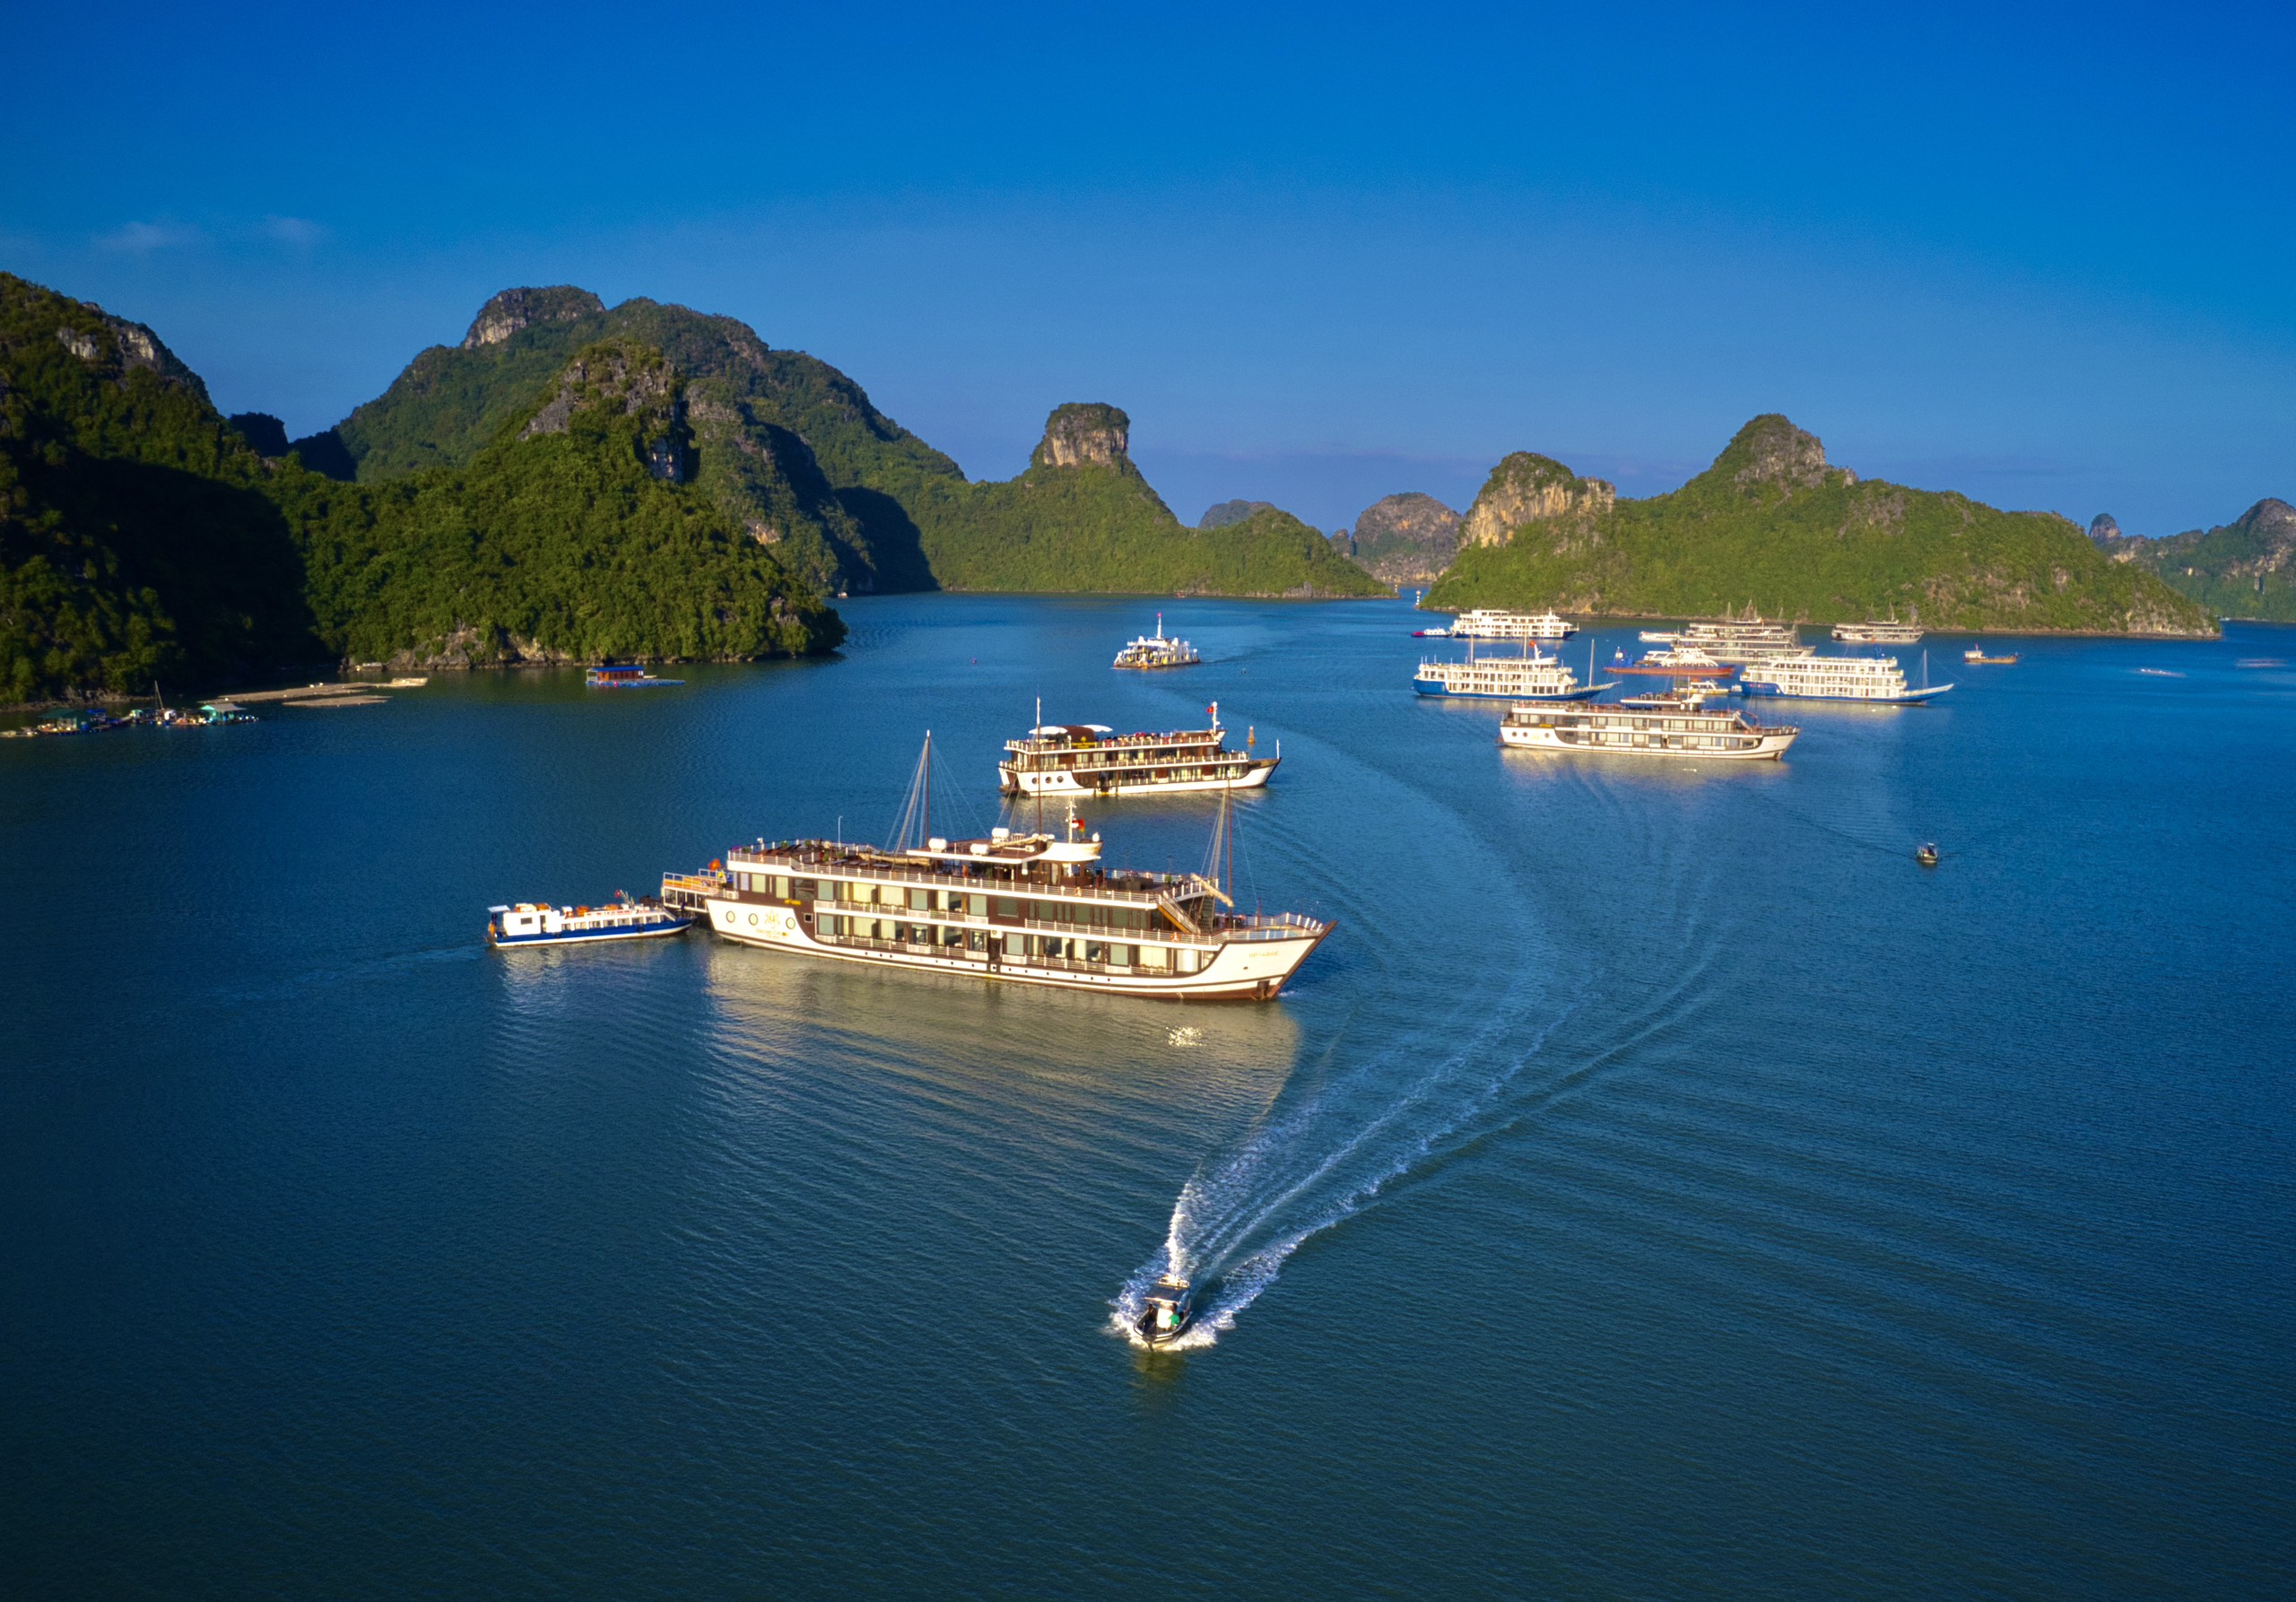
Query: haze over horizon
point(1318, 256)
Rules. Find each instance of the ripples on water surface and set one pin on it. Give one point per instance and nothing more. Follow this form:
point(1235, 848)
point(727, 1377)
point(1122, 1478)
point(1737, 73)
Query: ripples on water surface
point(1659, 1187)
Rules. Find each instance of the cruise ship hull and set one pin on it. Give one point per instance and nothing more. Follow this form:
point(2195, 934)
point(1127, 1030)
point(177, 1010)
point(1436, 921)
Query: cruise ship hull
point(1063, 782)
point(648, 932)
point(1437, 688)
point(1907, 697)
point(1241, 969)
point(1749, 744)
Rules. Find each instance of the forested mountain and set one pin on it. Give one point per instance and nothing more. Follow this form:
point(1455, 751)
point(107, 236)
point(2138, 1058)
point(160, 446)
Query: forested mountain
point(1081, 517)
point(2244, 569)
point(1770, 523)
point(144, 537)
point(794, 450)
point(138, 541)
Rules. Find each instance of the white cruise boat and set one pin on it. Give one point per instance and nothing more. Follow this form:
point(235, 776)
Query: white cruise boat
point(1811, 677)
point(1878, 631)
point(538, 923)
point(1677, 726)
point(1091, 758)
point(1024, 908)
point(1534, 675)
point(1154, 650)
point(1740, 640)
point(1485, 623)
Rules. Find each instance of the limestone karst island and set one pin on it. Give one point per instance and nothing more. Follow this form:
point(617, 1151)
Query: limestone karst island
point(571, 483)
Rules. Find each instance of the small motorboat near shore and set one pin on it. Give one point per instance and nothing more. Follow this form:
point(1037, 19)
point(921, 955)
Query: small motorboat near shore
point(1975, 657)
point(1165, 1311)
point(611, 676)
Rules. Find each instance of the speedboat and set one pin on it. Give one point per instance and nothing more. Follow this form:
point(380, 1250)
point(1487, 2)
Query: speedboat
point(1926, 855)
point(1167, 1309)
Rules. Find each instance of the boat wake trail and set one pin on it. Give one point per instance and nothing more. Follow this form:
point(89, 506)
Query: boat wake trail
point(1323, 1162)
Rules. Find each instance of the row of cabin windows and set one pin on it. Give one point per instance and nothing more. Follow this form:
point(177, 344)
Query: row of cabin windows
point(926, 899)
point(1013, 947)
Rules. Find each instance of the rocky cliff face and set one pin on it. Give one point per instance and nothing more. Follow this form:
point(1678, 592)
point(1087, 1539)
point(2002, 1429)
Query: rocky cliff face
point(516, 309)
point(1085, 431)
point(1407, 539)
point(1770, 454)
point(634, 381)
point(2102, 528)
point(1528, 488)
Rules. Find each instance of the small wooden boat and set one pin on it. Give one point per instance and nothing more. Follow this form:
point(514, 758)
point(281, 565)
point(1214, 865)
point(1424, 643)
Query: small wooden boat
point(1926, 855)
point(1975, 657)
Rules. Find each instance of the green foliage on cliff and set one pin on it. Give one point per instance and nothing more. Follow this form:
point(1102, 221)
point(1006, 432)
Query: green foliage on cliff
point(564, 545)
point(136, 540)
point(787, 446)
point(2244, 569)
point(794, 451)
point(143, 538)
point(1770, 524)
point(1100, 528)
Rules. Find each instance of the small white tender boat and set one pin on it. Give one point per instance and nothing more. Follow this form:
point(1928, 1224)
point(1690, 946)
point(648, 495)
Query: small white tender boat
point(538, 923)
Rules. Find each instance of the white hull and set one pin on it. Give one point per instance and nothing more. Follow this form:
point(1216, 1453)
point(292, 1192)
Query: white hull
point(1766, 746)
point(1249, 968)
point(1065, 782)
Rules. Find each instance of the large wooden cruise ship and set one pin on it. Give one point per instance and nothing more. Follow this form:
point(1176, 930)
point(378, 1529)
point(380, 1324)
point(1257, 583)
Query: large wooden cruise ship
point(1091, 758)
point(1025, 909)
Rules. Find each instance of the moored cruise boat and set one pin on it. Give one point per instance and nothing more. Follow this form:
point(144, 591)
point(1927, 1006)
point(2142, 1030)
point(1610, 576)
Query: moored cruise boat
point(1878, 631)
point(1647, 725)
point(1489, 623)
point(1090, 759)
point(1811, 677)
point(1740, 640)
point(538, 923)
point(1154, 650)
point(1533, 677)
point(1675, 662)
point(1025, 909)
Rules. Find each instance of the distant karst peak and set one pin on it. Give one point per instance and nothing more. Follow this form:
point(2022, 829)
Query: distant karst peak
point(1525, 487)
point(1085, 431)
point(1232, 511)
point(515, 308)
point(1770, 451)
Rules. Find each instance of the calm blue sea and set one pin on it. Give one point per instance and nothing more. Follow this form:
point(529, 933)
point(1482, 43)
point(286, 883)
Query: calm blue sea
point(1659, 1187)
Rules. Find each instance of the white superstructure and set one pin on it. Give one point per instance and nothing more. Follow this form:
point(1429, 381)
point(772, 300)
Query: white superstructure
point(1811, 677)
point(1485, 623)
point(1025, 909)
point(1647, 725)
point(1740, 640)
point(1878, 631)
point(1156, 651)
point(1091, 758)
point(1533, 675)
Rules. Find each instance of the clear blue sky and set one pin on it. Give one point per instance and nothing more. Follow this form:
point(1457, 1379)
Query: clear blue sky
point(1320, 254)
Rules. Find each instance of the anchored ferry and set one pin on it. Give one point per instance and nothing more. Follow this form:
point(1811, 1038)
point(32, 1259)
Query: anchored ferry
point(1091, 758)
point(1486, 622)
point(1740, 640)
point(1027, 909)
point(1676, 662)
point(1154, 650)
point(1533, 675)
point(538, 923)
point(1878, 631)
point(1647, 725)
point(1811, 677)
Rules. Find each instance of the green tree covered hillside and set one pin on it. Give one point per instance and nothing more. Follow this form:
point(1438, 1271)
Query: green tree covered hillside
point(2244, 569)
point(137, 538)
point(1769, 523)
point(787, 446)
point(1081, 517)
point(570, 537)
